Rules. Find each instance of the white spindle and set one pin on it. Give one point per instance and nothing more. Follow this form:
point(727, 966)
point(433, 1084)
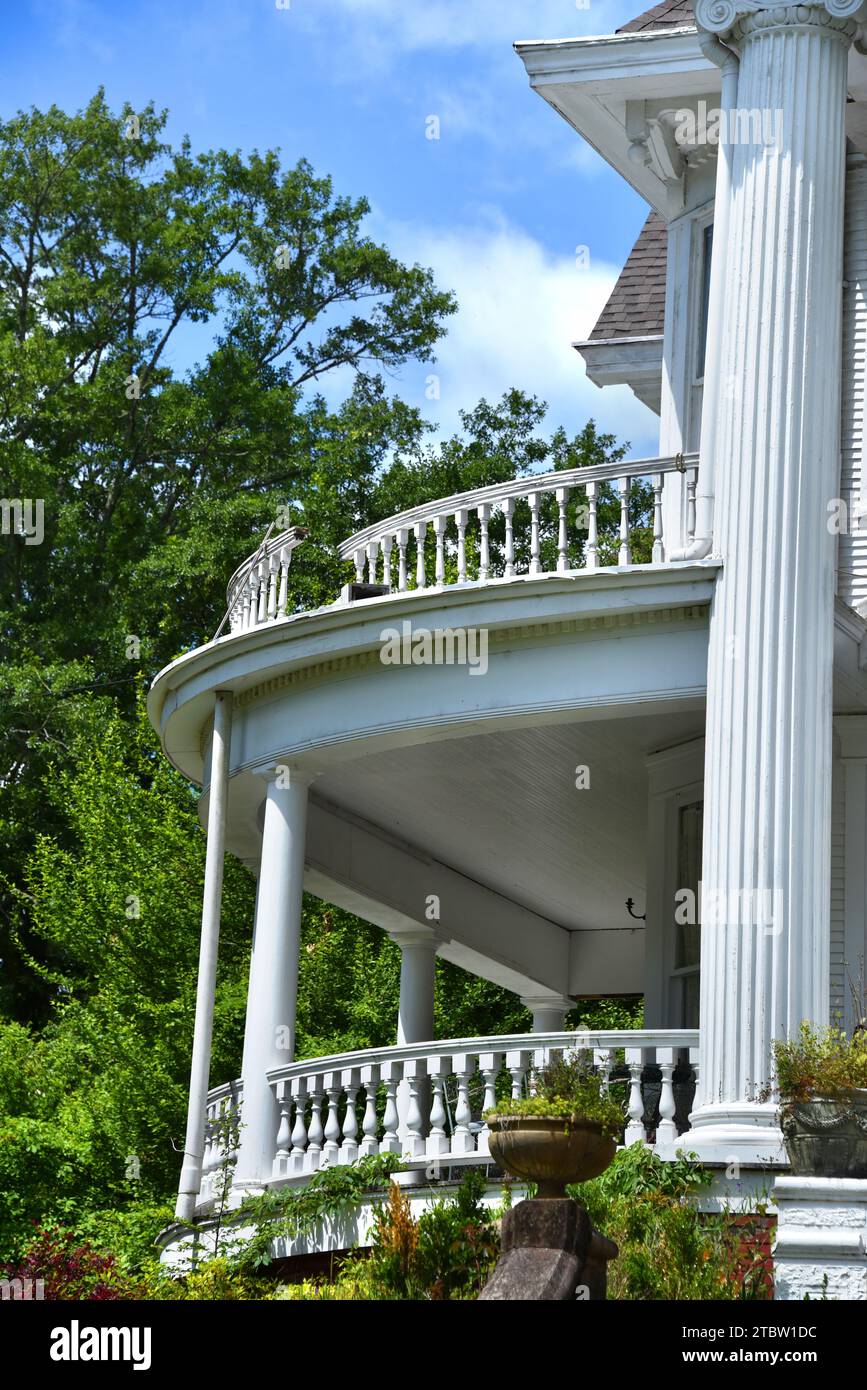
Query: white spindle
point(517, 1064)
point(332, 1123)
point(359, 566)
point(484, 512)
point(591, 549)
point(315, 1133)
point(420, 538)
point(635, 1128)
point(624, 556)
point(666, 1131)
point(691, 481)
point(299, 1131)
point(509, 513)
point(413, 1144)
point(603, 1061)
point(562, 537)
point(439, 525)
point(349, 1148)
point(283, 591)
point(489, 1065)
point(658, 547)
point(461, 523)
point(535, 563)
point(402, 538)
point(372, 557)
point(284, 1130)
point(462, 1140)
point(387, 542)
point(370, 1123)
point(390, 1073)
point(437, 1140)
point(262, 614)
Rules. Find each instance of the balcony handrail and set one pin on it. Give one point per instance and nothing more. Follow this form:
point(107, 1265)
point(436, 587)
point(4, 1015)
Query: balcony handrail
point(523, 486)
point(573, 1039)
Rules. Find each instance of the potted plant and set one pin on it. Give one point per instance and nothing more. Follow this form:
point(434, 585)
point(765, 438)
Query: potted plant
point(565, 1132)
point(822, 1081)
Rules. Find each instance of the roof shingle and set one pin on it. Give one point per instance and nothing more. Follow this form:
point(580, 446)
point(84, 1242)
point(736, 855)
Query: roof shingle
point(636, 305)
point(670, 14)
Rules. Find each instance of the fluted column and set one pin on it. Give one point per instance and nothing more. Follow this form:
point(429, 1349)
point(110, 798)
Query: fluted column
point(269, 1039)
point(766, 858)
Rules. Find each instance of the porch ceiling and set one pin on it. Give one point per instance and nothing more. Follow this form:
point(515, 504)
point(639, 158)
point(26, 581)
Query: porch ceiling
point(503, 810)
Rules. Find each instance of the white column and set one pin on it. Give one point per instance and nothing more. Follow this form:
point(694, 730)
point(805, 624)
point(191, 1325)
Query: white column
point(851, 730)
point(269, 1038)
point(415, 1015)
point(766, 858)
point(548, 1011)
point(194, 1143)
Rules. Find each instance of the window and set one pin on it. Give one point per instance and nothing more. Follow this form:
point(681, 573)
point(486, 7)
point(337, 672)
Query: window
point(706, 253)
point(687, 951)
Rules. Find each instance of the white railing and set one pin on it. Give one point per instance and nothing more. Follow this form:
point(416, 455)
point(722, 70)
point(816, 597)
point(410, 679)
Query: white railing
point(257, 591)
point(469, 547)
point(426, 1101)
point(222, 1115)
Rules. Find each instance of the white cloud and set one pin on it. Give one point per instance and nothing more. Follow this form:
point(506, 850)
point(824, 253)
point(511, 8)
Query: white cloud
point(520, 310)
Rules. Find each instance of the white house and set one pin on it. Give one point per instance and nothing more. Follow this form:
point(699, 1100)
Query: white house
point(637, 728)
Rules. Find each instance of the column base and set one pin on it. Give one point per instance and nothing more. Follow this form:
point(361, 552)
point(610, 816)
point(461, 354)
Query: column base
point(821, 1247)
point(745, 1134)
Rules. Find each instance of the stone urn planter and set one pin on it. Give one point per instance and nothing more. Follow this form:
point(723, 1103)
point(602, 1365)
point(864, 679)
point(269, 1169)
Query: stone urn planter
point(550, 1151)
point(825, 1136)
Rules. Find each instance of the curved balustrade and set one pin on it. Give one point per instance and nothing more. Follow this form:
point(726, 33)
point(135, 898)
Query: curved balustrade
point(257, 591)
point(469, 549)
point(336, 1109)
point(221, 1139)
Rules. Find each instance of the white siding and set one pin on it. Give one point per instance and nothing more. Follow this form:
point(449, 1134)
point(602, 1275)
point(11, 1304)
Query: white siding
point(838, 989)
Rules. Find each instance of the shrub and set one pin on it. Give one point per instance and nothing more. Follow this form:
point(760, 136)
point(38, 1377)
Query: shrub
point(568, 1087)
point(820, 1061)
point(72, 1269)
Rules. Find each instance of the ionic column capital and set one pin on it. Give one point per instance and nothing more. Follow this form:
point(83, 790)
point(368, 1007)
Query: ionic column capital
point(741, 19)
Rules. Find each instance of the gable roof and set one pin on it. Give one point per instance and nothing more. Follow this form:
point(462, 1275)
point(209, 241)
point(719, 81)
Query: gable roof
point(670, 14)
point(636, 305)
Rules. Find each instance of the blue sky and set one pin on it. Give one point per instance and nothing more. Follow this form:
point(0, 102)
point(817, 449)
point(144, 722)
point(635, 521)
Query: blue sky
point(497, 205)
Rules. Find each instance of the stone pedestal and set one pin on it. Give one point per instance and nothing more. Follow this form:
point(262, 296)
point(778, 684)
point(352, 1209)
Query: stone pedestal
point(821, 1246)
point(549, 1251)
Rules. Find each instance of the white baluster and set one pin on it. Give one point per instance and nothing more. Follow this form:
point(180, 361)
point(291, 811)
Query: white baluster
point(332, 1121)
point(439, 525)
point(386, 543)
point(535, 565)
point(489, 1065)
point(658, 547)
point(298, 1156)
point(284, 1130)
point(666, 1130)
point(461, 523)
point(691, 481)
point(463, 1141)
point(437, 1139)
point(273, 584)
point(390, 1073)
point(252, 597)
point(402, 538)
point(420, 529)
point(635, 1131)
point(562, 495)
point(359, 566)
point(315, 1133)
point(591, 549)
point(508, 505)
point(283, 591)
point(413, 1144)
point(484, 512)
point(372, 557)
point(349, 1148)
point(517, 1064)
point(370, 1123)
point(624, 556)
point(603, 1061)
point(262, 614)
